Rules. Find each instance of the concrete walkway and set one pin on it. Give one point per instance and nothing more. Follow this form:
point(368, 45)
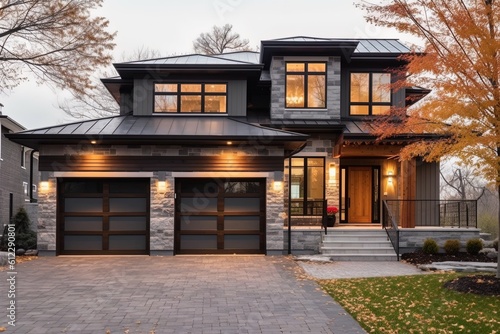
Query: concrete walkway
point(182, 294)
point(358, 269)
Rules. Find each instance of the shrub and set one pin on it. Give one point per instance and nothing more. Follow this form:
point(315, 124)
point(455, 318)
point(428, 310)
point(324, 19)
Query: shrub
point(26, 240)
point(452, 246)
point(474, 246)
point(495, 245)
point(430, 246)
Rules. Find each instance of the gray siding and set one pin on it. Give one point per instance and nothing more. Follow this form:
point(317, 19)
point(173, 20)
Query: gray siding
point(428, 189)
point(237, 98)
point(143, 97)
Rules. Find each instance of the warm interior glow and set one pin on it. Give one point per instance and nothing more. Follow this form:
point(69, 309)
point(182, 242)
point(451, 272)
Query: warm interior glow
point(278, 185)
point(162, 186)
point(44, 185)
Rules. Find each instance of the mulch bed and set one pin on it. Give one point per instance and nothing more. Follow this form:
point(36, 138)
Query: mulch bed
point(422, 258)
point(487, 285)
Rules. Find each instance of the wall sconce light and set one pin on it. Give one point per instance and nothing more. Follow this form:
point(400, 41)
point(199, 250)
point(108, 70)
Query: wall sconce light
point(389, 179)
point(162, 183)
point(44, 181)
point(278, 181)
point(332, 171)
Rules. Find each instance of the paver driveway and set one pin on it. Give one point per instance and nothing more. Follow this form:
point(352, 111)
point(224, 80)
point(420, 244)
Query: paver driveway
point(181, 294)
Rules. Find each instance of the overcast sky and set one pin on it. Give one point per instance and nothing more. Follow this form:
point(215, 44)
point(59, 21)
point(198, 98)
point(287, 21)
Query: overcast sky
point(171, 26)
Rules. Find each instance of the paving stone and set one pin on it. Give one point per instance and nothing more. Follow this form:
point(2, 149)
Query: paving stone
point(180, 294)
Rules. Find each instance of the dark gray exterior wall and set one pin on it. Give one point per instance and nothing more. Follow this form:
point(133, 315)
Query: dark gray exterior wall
point(428, 189)
point(12, 176)
point(278, 77)
point(143, 97)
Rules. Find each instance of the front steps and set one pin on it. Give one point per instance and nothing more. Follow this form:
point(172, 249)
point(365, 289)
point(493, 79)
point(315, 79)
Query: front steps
point(357, 245)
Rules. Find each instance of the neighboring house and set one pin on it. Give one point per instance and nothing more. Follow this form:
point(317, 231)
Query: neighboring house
point(217, 154)
point(18, 183)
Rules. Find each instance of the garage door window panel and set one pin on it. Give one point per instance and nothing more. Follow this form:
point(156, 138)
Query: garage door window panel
point(83, 243)
point(83, 224)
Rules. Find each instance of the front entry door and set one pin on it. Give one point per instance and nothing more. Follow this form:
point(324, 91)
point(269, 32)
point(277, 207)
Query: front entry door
point(360, 195)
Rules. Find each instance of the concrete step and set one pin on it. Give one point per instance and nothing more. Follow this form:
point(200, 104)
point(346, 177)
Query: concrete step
point(355, 238)
point(361, 244)
point(357, 250)
point(364, 257)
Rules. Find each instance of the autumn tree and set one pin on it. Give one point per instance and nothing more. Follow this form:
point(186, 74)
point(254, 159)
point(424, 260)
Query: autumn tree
point(97, 102)
point(59, 42)
point(220, 40)
point(460, 62)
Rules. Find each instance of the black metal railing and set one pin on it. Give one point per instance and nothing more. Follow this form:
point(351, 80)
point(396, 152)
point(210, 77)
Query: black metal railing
point(441, 213)
point(391, 227)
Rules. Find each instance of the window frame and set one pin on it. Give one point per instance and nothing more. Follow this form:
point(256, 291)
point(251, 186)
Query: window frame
point(23, 157)
point(305, 200)
point(370, 104)
point(306, 74)
point(179, 94)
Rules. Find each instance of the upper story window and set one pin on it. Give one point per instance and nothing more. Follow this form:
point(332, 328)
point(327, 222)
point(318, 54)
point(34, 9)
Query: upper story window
point(370, 93)
point(305, 85)
point(23, 157)
point(190, 98)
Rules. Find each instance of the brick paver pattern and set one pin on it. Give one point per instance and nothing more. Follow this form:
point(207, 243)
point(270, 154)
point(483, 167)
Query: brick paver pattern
point(181, 294)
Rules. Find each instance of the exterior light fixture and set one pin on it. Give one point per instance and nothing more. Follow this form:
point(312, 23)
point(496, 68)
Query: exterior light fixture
point(162, 183)
point(389, 179)
point(44, 181)
point(332, 171)
point(229, 143)
point(93, 142)
point(278, 181)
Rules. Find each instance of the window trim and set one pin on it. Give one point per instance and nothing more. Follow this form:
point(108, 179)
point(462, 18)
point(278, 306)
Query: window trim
point(306, 73)
point(23, 157)
point(370, 102)
point(179, 95)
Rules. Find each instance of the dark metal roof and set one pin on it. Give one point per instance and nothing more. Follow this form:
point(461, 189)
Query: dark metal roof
point(231, 58)
point(156, 129)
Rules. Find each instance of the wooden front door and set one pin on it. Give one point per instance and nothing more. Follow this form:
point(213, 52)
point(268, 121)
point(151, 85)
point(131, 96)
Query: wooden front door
point(360, 195)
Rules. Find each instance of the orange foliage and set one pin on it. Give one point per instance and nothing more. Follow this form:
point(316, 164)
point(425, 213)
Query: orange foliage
point(460, 62)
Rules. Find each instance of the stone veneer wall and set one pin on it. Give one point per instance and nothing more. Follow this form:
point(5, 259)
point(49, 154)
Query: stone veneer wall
point(162, 203)
point(278, 78)
point(47, 213)
point(412, 239)
point(303, 241)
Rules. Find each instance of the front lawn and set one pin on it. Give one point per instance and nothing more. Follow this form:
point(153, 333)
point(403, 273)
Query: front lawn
point(415, 304)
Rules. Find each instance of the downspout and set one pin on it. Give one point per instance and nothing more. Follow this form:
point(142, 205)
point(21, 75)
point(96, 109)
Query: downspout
point(32, 200)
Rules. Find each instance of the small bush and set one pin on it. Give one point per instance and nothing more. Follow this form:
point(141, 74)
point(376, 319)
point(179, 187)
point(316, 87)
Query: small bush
point(474, 246)
point(452, 246)
point(495, 245)
point(430, 246)
point(26, 240)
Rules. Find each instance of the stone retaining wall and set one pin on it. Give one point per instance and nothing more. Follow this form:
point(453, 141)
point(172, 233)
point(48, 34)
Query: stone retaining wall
point(413, 239)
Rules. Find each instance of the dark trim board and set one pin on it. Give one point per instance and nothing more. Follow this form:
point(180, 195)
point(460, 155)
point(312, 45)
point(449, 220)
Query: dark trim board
point(100, 163)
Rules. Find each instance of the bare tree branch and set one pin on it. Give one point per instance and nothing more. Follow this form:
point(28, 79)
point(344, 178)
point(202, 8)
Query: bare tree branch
point(220, 40)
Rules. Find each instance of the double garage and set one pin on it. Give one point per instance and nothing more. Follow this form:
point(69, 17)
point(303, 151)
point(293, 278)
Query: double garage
point(112, 216)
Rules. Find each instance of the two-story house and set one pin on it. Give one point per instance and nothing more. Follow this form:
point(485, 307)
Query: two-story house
point(226, 153)
point(18, 173)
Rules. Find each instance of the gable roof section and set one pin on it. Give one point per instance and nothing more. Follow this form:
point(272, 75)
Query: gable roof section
point(130, 129)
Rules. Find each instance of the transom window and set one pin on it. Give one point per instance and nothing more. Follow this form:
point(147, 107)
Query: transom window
point(370, 93)
point(305, 85)
point(190, 98)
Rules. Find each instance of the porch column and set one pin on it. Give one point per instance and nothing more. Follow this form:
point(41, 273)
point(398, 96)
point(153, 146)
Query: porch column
point(408, 191)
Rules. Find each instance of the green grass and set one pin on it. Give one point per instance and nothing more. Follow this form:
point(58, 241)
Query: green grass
point(415, 304)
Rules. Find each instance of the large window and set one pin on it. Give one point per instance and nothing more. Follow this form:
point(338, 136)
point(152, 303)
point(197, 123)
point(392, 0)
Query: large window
point(190, 98)
point(370, 93)
point(305, 85)
point(307, 186)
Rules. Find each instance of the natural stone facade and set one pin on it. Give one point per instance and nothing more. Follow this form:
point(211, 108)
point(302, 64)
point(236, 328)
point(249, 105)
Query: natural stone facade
point(278, 79)
point(411, 239)
point(47, 215)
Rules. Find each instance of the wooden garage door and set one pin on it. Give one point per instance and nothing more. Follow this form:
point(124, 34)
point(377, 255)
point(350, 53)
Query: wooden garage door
point(103, 216)
point(220, 216)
